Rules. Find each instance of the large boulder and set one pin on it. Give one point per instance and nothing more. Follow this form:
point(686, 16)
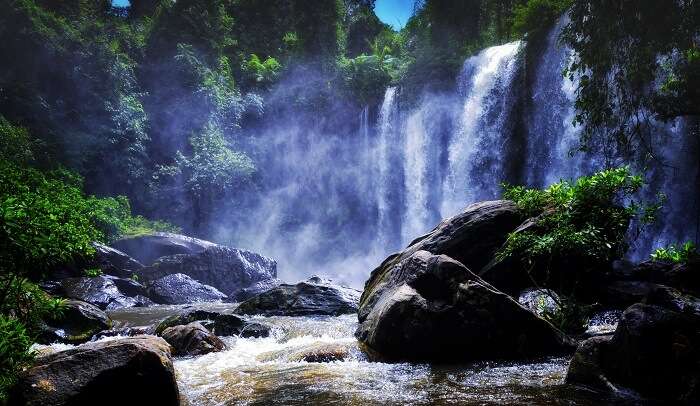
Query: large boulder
point(114, 262)
point(431, 307)
point(654, 352)
point(471, 237)
point(314, 296)
point(181, 289)
point(221, 324)
point(137, 371)
point(192, 339)
point(100, 291)
point(230, 270)
point(78, 322)
point(147, 248)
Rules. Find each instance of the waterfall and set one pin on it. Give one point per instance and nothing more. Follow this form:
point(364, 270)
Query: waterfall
point(552, 139)
point(415, 181)
point(343, 192)
point(476, 152)
point(382, 159)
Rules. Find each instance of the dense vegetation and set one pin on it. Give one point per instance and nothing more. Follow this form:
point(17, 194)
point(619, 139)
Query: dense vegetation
point(46, 222)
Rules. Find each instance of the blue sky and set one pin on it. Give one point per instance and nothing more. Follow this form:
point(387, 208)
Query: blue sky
point(394, 12)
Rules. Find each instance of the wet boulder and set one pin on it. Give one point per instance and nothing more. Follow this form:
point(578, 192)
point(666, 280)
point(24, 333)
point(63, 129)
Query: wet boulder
point(137, 371)
point(654, 353)
point(100, 291)
point(221, 324)
point(192, 339)
point(471, 237)
point(77, 324)
point(431, 307)
point(314, 296)
point(181, 289)
point(147, 248)
point(229, 270)
point(540, 301)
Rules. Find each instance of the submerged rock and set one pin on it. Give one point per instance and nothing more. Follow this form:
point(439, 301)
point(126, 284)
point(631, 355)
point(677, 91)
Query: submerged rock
point(316, 353)
point(654, 352)
point(314, 296)
point(136, 371)
point(181, 289)
point(78, 323)
point(431, 307)
point(192, 339)
point(221, 324)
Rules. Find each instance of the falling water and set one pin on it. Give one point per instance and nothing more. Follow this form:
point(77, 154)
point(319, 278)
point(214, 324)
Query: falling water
point(476, 152)
point(382, 160)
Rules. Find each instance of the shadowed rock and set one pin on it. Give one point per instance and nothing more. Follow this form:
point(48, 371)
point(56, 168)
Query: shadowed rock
point(431, 307)
point(653, 352)
point(77, 324)
point(471, 237)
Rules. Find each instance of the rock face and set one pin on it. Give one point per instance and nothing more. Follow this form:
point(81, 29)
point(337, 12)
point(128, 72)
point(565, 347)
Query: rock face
point(471, 237)
point(79, 322)
point(221, 324)
point(653, 352)
point(147, 248)
point(100, 291)
point(431, 307)
point(137, 371)
point(229, 270)
point(114, 262)
point(311, 297)
point(181, 289)
point(192, 339)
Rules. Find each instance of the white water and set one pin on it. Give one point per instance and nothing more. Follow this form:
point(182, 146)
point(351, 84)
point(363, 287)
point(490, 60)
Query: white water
point(382, 160)
point(271, 370)
point(473, 159)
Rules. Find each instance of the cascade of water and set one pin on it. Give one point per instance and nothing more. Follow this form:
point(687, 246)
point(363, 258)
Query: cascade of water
point(383, 159)
point(415, 180)
point(551, 136)
point(477, 150)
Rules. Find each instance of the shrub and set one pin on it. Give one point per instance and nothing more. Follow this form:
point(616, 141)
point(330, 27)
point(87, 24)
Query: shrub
point(676, 254)
point(583, 224)
point(15, 352)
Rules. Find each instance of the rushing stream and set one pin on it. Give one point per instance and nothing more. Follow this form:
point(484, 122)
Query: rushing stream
point(263, 371)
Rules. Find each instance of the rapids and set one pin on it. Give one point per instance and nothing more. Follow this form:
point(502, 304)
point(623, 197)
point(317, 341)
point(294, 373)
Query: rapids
point(263, 371)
